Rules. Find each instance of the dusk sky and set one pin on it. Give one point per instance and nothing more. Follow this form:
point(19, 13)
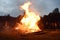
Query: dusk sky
point(43, 7)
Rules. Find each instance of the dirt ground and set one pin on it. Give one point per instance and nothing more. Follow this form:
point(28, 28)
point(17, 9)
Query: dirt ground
point(44, 35)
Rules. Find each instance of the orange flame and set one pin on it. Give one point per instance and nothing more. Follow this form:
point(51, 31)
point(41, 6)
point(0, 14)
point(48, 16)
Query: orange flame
point(29, 21)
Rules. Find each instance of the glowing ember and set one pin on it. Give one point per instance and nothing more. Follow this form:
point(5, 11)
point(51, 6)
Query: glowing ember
point(29, 21)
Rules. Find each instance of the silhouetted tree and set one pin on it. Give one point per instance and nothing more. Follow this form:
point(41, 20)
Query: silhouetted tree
point(52, 20)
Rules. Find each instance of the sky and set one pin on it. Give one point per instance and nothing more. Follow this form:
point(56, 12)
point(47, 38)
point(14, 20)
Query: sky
point(43, 7)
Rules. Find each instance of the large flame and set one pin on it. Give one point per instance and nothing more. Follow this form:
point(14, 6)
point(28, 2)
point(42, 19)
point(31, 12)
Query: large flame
point(29, 21)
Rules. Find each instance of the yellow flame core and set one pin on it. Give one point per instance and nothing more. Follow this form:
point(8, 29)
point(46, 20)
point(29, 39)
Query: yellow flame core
point(30, 19)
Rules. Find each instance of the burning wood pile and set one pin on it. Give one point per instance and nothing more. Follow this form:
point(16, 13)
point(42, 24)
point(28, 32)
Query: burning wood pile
point(28, 23)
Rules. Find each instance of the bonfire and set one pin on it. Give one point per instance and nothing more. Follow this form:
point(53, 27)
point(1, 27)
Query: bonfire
point(29, 21)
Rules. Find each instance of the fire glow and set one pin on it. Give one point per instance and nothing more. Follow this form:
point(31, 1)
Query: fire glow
point(29, 20)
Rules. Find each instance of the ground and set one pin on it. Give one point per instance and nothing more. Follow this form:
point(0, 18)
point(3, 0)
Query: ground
point(44, 35)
